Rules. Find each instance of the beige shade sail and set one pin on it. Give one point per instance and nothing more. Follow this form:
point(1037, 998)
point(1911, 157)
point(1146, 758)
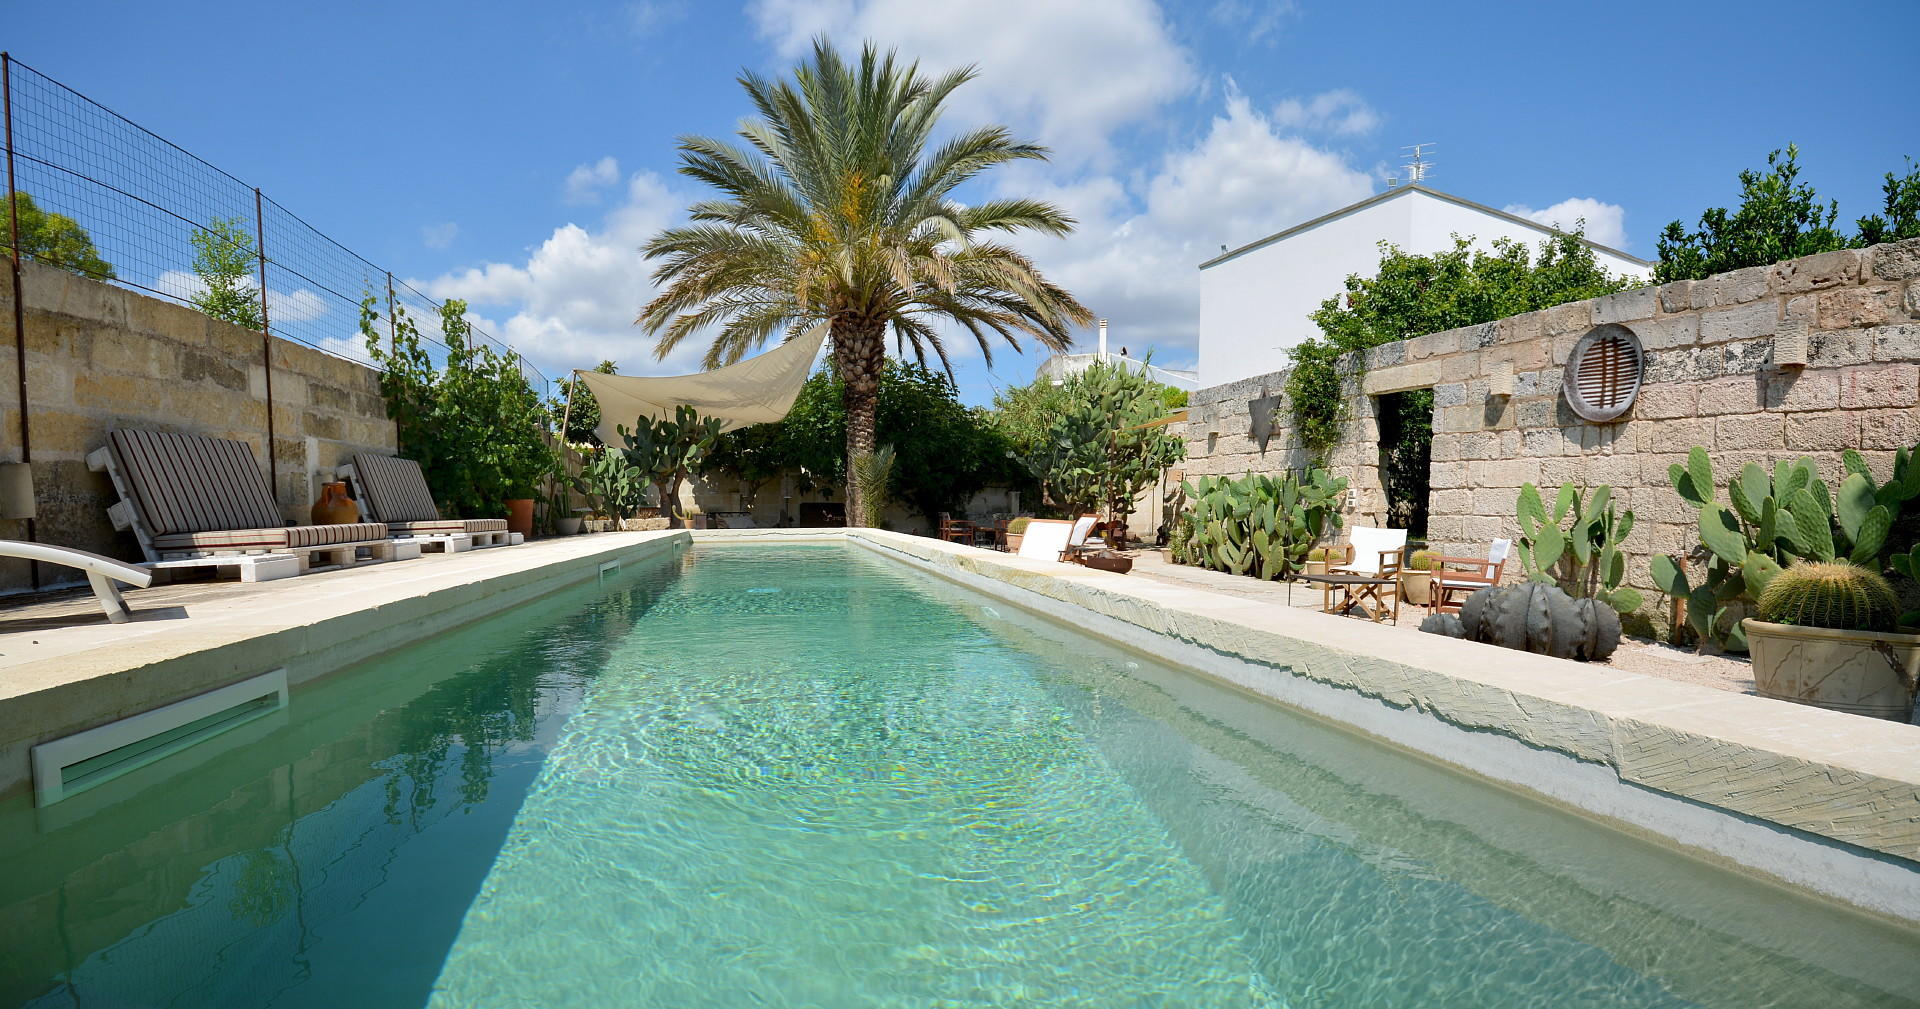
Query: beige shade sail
point(754, 391)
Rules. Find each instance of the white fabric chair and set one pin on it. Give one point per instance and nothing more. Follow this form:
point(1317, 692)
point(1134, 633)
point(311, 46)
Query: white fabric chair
point(1376, 552)
point(1045, 539)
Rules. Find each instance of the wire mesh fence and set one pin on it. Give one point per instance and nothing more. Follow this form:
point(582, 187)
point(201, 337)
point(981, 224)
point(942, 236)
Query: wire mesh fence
point(97, 194)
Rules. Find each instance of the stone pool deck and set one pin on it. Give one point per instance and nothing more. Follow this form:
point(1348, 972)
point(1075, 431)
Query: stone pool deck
point(1819, 800)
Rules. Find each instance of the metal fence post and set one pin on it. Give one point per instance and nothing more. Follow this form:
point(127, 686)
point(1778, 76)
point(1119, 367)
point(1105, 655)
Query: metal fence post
point(19, 300)
point(266, 339)
point(393, 328)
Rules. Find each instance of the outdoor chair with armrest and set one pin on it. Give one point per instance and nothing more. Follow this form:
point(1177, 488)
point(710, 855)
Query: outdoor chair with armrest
point(1377, 558)
point(955, 530)
point(1455, 578)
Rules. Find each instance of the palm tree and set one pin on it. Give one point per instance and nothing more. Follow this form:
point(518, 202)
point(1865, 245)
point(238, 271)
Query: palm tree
point(837, 211)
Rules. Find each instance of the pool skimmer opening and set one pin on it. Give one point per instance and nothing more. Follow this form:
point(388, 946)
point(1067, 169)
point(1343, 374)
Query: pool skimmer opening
point(72, 764)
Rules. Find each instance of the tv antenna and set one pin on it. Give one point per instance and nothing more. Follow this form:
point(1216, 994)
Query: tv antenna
point(1417, 164)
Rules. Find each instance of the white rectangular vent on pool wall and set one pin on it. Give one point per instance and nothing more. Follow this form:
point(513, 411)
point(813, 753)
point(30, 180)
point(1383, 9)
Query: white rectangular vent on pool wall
point(72, 764)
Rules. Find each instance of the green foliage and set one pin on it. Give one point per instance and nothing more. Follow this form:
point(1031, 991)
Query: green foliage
point(873, 474)
point(1412, 295)
point(837, 210)
point(476, 426)
point(1576, 544)
point(584, 415)
point(1773, 520)
point(1832, 594)
point(224, 259)
point(1258, 525)
point(1780, 217)
point(665, 451)
point(1096, 455)
point(57, 240)
point(1018, 526)
point(1023, 414)
point(612, 485)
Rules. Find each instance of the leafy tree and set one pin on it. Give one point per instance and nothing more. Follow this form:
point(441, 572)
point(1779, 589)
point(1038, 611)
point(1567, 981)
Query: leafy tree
point(1096, 455)
point(581, 420)
point(1780, 217)
point(57, 240)
point(476, 426)
point(224, 260)
point(1023, 414)
point(836, 211)
point(1411, 295)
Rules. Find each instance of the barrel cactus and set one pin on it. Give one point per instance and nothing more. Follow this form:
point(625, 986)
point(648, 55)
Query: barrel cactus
point(1444, 623)
point(1534, 617)
point(1837, 595)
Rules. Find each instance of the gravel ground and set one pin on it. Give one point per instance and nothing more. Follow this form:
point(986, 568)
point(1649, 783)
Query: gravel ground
point(1635, 655)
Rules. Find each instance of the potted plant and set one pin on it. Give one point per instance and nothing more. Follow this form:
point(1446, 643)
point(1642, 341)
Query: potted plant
point(1017, 531)
point(1416, 579)
point(1319, 557)
point(1828, 635)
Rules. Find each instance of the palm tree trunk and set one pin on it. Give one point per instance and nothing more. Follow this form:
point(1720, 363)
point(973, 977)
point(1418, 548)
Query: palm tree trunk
point(859, 350)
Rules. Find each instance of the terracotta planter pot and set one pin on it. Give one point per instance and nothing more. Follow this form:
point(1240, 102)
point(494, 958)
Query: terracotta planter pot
point(1013, 542)
point(1416, 587)
point(520, 515)
point(1862, 672)
point(334, 507)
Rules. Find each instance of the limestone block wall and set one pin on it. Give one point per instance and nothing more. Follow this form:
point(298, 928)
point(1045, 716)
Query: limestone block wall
point(1710, 380)
point(100, 357)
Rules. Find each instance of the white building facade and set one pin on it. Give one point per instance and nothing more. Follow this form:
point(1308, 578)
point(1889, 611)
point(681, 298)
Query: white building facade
point(1255, 300)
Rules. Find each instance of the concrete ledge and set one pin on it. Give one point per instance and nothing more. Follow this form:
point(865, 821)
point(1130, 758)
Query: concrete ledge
point(1819, 800)
point(59, 681)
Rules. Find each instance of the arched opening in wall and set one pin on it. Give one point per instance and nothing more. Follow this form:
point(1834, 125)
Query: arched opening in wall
point(1406, 454)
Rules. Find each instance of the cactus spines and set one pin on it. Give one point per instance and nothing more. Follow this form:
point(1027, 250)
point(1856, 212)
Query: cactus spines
point(1535, 617)
point(1836, 594)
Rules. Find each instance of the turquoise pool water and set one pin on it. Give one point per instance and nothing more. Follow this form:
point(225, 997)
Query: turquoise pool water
point(807, 776)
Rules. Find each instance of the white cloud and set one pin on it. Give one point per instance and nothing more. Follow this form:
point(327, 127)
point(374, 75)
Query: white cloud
point(572, 302)
point(1255, 21)
point(1064, 73)
point(646, 17)
point(1135, 257)
point(585, 182)
point(1606, 223)
point(1340, 112)
point(439, 236)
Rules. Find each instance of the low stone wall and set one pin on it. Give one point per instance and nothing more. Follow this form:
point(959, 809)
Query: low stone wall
point(100, 357)
point(1710, 380)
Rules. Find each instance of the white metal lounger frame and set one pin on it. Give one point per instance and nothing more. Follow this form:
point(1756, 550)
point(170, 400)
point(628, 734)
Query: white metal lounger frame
point(102, 572)
point(451, 543)
point(252, 565)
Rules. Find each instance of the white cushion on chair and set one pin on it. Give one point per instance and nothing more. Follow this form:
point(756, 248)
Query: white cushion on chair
point(1369, 544)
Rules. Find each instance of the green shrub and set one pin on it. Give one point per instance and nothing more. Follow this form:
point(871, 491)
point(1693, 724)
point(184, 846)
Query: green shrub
point(1835, 594)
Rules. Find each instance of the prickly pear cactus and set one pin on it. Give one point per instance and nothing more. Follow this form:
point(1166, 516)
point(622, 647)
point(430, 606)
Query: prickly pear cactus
point(1539, 618)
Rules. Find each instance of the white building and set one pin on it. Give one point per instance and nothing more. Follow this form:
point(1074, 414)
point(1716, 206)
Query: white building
point(1059, 366)
point(1255, 300)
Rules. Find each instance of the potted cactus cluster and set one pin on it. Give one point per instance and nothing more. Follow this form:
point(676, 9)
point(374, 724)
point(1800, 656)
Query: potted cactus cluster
point(1828, 634)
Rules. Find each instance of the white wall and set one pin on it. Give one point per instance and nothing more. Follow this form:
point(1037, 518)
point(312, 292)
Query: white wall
point(1256, 304)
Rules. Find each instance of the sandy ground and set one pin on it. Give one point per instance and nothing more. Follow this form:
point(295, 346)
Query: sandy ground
point(1635, 655)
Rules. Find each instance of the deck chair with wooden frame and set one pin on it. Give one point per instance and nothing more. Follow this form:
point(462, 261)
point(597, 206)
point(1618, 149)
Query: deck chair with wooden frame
point(1045, 539)
point(1378, 554)
point(195, 501)
point(394, 491)
point(1455, 578)
point(1081, 541)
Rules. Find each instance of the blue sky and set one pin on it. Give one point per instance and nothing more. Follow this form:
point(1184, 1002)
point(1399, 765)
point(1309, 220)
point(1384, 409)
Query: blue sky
point(517, 155)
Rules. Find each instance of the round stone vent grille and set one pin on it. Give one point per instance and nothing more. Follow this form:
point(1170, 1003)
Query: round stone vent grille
point(1603, 373)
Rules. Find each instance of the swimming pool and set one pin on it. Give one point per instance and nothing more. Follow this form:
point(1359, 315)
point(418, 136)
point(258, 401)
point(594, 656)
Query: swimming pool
point(805, 775)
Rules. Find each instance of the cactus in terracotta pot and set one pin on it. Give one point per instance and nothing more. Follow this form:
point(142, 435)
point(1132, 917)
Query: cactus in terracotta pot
point(1838, 595)
point(1535, 617)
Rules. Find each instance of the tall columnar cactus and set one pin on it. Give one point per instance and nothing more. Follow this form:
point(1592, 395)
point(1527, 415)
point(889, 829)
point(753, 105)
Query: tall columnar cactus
point(1537, 617)
point(1790, 515)
point(1258, 525)
point(1834, 594)
point(1576, 545)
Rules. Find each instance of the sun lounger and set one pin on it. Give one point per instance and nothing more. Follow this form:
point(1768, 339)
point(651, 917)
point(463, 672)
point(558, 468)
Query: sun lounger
point(194, 501)
point(1045, 539)
point(102, 572)
point(394, 491)
point(1081, 540)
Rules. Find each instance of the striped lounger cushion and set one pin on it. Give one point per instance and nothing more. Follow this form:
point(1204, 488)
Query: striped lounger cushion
point(445, 527)
point(396, 490)
point(195, 492)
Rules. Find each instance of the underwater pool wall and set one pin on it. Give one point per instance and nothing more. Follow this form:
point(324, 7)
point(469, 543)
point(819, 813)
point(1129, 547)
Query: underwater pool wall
point(1817, 800)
